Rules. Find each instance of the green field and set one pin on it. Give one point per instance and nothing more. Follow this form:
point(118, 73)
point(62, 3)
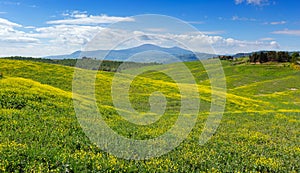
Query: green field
point(259, 132)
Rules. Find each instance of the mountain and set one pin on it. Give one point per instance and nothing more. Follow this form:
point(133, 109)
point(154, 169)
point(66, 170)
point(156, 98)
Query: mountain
point(144, 53)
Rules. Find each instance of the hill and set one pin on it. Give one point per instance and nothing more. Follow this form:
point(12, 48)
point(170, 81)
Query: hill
point(40, 132)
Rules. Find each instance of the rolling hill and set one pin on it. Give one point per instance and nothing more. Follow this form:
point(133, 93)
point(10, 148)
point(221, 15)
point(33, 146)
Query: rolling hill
point(40, 132)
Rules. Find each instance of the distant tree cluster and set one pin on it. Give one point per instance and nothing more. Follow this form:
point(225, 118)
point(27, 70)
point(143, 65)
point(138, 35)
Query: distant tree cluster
point(106, 65)
point(225, 57)
point(270, 56)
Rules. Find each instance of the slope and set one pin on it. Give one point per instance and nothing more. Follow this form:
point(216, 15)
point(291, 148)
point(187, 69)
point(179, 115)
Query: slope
point(40, 132)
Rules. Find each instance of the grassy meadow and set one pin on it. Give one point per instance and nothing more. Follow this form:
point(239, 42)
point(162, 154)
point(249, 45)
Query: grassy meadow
point(259, 131)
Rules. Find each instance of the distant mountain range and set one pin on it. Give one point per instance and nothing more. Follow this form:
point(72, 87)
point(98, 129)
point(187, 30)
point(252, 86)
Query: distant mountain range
point(144, 53)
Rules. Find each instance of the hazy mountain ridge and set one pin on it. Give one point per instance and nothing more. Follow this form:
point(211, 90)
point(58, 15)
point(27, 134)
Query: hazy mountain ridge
point(143, 53)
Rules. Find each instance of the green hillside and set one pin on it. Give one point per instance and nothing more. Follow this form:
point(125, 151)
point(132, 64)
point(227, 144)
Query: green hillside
point(259, 132)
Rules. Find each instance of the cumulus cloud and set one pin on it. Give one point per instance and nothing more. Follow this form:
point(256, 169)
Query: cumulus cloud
point(12, 39)
point(67, 34)
point(9, 34)
point(82, 18)
point(5, 22)
point(67, 38)
point(230, 45)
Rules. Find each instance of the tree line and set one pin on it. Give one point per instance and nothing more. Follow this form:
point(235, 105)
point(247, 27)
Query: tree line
point(268, 56)
point(273, 56)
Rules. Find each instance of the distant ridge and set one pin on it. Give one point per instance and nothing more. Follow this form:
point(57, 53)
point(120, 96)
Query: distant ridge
point(143, 53)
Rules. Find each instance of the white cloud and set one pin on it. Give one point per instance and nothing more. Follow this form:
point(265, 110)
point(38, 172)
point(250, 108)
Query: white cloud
point(9, 35)
point(238, 1)
point(253, 2)
point(156, 29)
point(18, 40)
point(64, 39)
point(13, 40)
point(274, 44)
point(73, 13)
point(10, 3)
point(212, 32)
point(230, 46)
point(82, 18)
point(29, 27)
point(66, 31)
point(5, 22)
point(237, 18)
point(288, 32)
point(267, 39)
point(276, 23)
point(67, 38)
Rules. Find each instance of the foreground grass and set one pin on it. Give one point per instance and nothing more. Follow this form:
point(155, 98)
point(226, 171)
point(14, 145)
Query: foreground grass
point(259, 131)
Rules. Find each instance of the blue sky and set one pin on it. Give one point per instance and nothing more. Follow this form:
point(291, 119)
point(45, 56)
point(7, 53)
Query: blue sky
point(40, 28)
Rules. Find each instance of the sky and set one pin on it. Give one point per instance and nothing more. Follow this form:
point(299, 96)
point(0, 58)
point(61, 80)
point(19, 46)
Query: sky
point(41, 28)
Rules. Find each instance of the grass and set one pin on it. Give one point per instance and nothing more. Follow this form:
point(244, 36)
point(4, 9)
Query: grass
point(259, 131)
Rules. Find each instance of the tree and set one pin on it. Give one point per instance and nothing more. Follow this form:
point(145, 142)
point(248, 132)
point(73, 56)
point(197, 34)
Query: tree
point(263, 57)
point(254, 57)
point(272, 56)
point(295, 56)
point(283, 56)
